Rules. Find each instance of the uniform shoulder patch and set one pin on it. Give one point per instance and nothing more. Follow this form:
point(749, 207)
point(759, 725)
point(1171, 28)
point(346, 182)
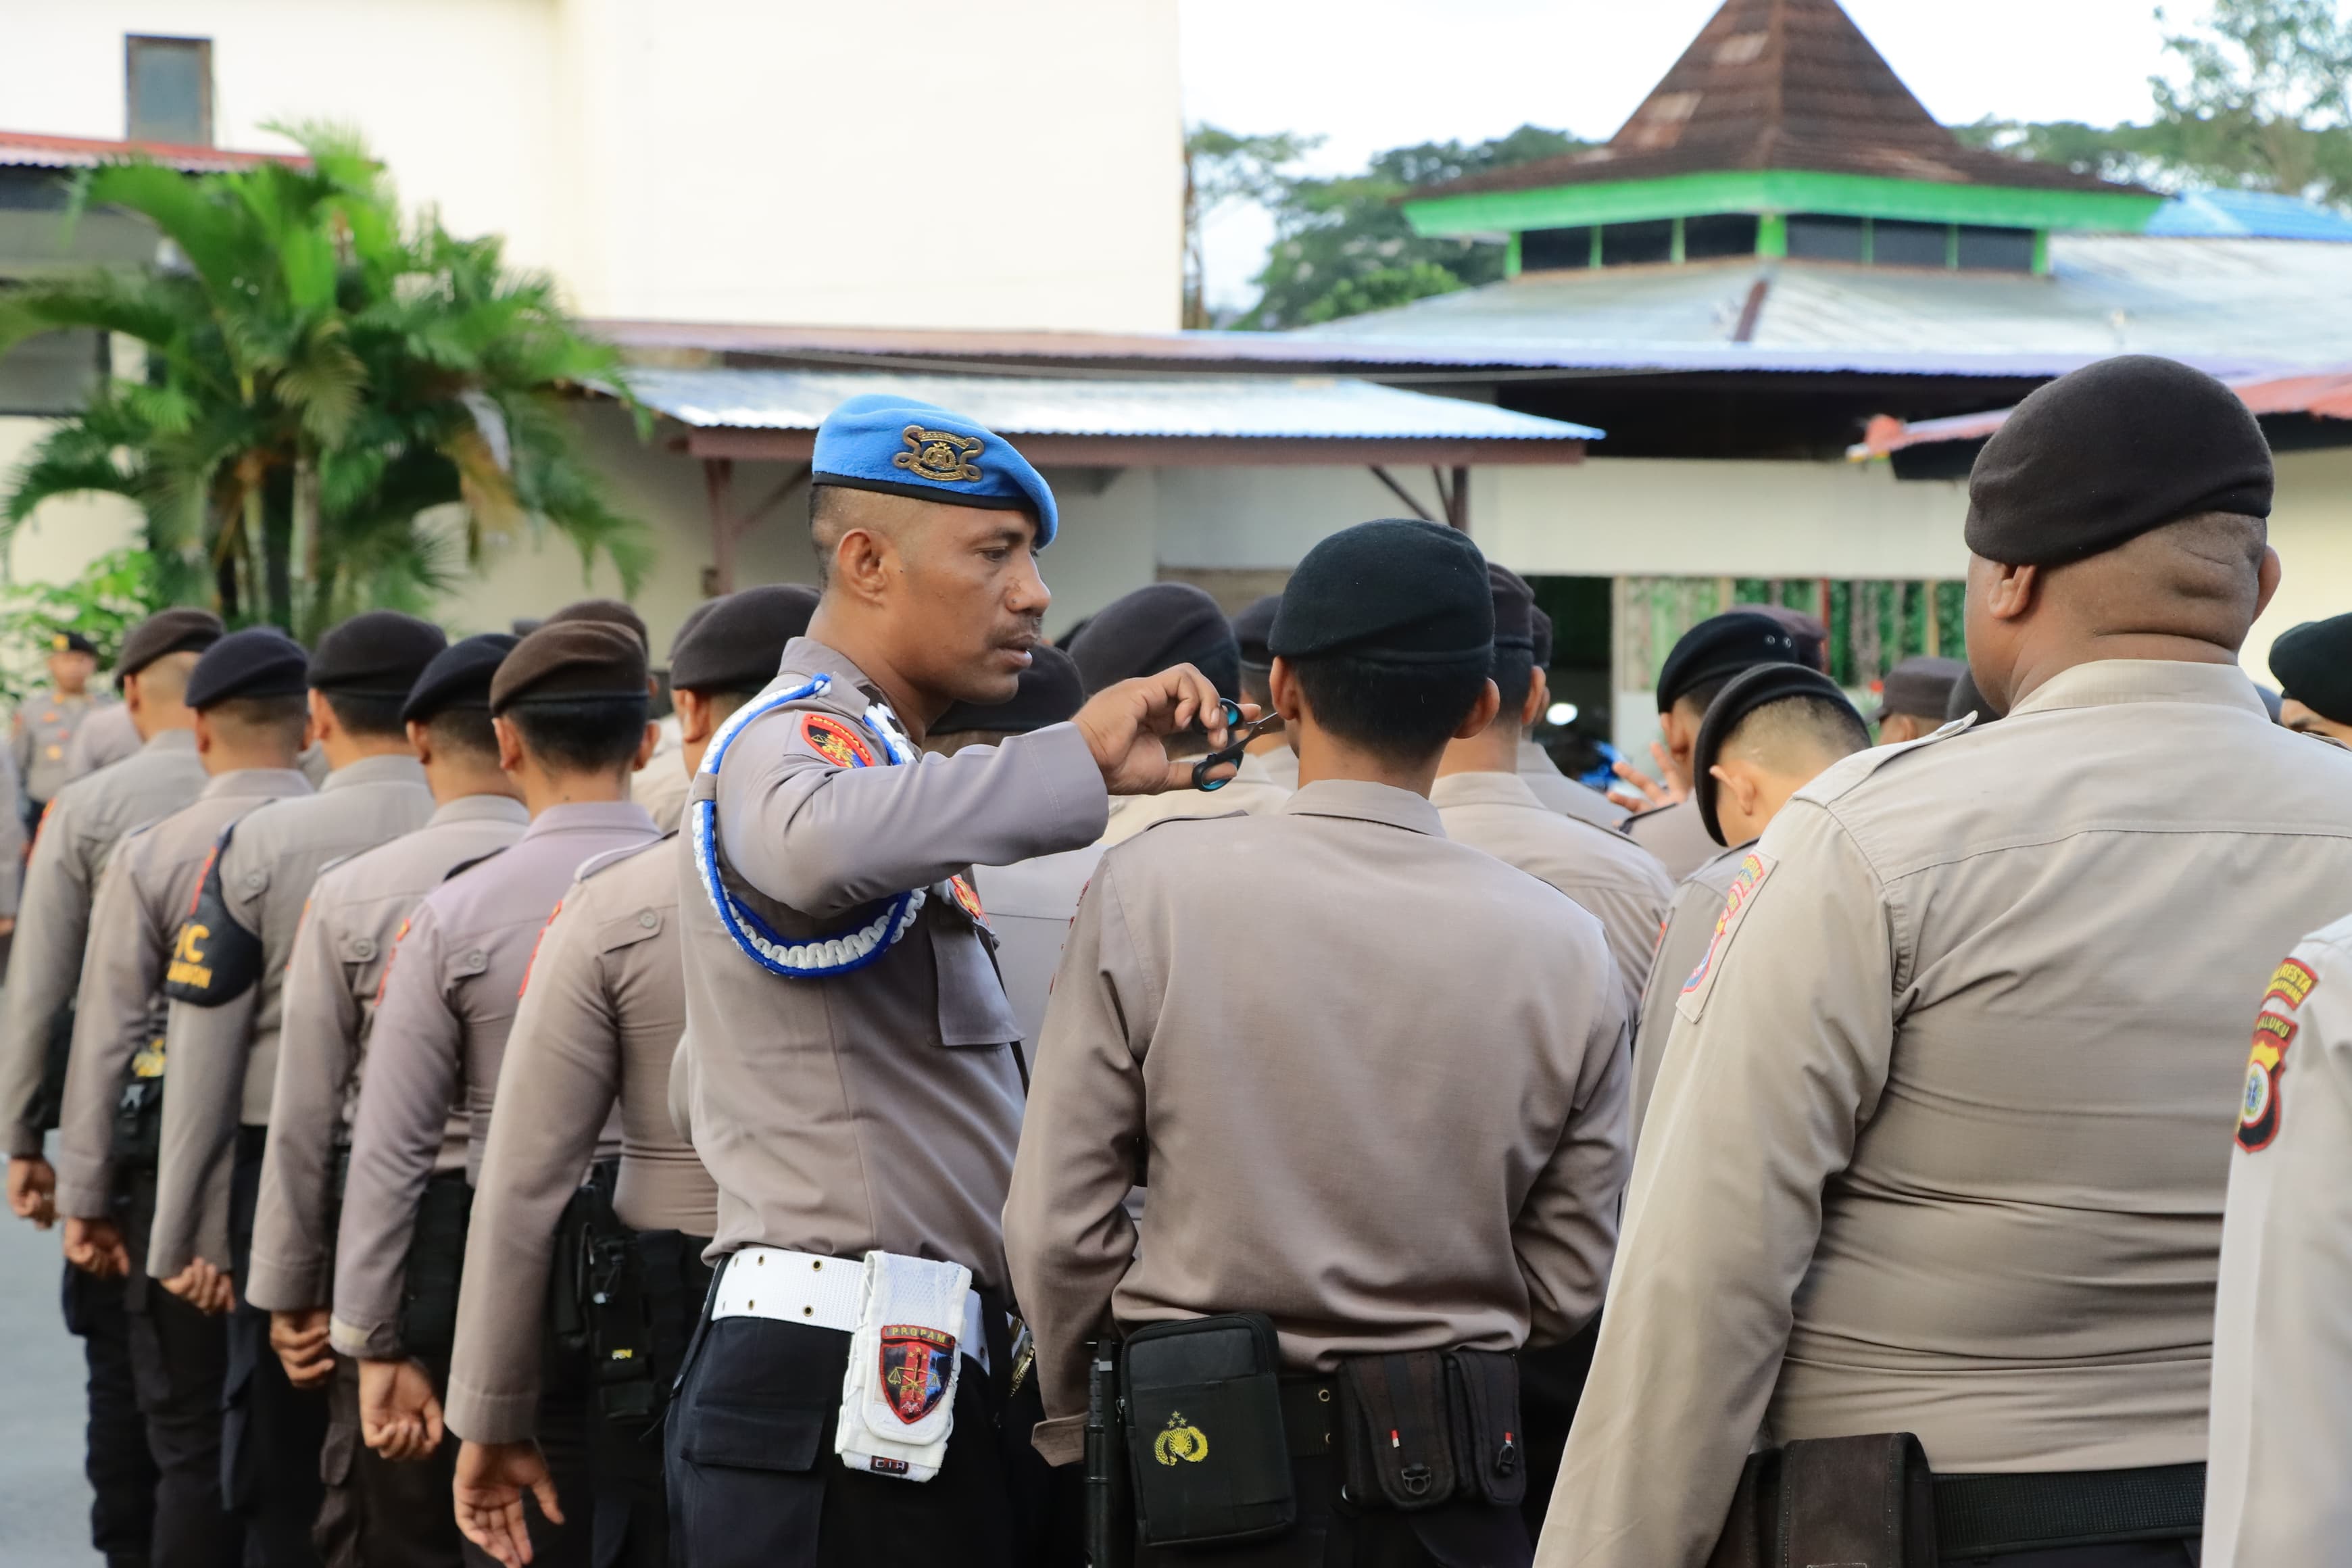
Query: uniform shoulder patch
point(2290, 984)
point(214, 959)
point(2261, 1108)
point(1755, 869)
point(835, 742)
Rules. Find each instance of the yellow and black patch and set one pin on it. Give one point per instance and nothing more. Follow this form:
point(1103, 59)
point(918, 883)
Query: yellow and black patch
point(215, 959)
point(2291, 983)
point(2258, 1114)
point(835, 742)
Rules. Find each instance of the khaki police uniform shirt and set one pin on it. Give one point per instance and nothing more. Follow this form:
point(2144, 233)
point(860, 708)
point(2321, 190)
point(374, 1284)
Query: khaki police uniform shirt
point(599, 1025)
point(1030, 905)
point(1376, 1079)
point(83, 822)
point(1253, 789)
point(40, 736)
point(103, 738)
point(332, 981)
point(1564, 794)
point(1690, 921)
point(2275, 1487)
point(1281, 765)
point(878, 1108)
point(448, 1004)
point(1940, 1139)
point(224, 1060)
point(1611, 877)
point(1676, 835)
point(661, 787)
point(144, 894)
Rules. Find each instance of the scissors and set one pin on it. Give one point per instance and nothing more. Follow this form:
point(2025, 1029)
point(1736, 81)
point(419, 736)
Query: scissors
point(1238, 734)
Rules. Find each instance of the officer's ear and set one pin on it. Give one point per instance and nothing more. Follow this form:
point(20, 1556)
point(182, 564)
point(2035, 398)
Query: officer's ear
point(1538, 698)
point(509, 743)
point(420, 741)
point(1482, 713)
point(322, 722)
point(647, 744)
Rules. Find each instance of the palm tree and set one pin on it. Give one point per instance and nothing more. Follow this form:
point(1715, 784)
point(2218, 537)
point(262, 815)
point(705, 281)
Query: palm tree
point(320, 377)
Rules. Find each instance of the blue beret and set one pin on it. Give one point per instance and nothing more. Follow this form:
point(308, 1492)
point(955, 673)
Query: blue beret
point(904, 447)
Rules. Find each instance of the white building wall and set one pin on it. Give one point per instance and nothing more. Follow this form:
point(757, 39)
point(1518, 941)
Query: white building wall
point(1016, 164)
point(2311, 528)
point(64, 536)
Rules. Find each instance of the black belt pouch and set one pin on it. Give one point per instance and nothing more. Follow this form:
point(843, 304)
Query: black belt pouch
point(1396, 1421)
point(1489, 1454)
point(1205, 1442)
point(1858, 1502)
point(138, 1142)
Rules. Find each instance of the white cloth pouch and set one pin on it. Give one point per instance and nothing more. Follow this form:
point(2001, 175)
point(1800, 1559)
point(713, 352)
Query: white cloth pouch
point(906, 1357)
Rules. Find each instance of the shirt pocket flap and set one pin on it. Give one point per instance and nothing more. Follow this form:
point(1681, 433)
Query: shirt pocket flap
point(749, 1437)
point(972, 1006)
point(630, 930)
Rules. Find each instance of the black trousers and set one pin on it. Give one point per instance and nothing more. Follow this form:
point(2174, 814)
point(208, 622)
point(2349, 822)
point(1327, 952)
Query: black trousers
point(272, 1433)
point(754, 1483)
point(1331, 1532)
point(376, 1513)
point(121, 1472)
point(632, 1488)
point(1551, 1383)
point(179, 1360)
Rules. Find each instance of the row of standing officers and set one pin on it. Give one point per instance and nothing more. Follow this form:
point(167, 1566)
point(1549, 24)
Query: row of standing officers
point(954, 1073)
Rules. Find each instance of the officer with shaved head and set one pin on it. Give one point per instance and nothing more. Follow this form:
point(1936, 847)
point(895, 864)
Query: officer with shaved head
point(1940, 1137)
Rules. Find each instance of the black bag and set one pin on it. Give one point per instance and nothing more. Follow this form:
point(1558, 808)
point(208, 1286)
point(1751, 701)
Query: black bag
point(138, 1142)
point(436, 1266)
point(1858, 1502)
point(1420, 1428)
point(1206, 1445)
point(571, 1279)
point(214, 959)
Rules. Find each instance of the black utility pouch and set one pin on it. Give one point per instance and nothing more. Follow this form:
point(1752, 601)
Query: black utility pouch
point(1396, 1418)
point(1204, 1436)
point(621, 1328)
point(1858, 1502)
point(1489, 1454)
point(138, 1141)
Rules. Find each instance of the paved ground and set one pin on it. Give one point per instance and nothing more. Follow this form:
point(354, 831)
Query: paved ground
point(44, 1500)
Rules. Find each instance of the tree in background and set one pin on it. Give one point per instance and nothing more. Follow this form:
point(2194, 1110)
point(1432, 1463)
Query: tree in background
point(319, 378)
point(113, 593)
point(1221, 168)
point(2260, 103)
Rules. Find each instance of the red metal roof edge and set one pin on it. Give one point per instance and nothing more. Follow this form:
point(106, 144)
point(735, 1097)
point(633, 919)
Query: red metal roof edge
point(2322, 395)
point(85, 151)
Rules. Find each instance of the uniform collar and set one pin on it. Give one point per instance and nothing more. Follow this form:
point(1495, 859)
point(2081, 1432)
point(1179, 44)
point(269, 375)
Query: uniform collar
point(480, 808)
point(390, 768)
point(255, 783)
point(2108, 682)
point(1534, 759)
point(591, 816)
point(1367, 803)
point(169, 741)
point(1483, 789)
point(805, 656)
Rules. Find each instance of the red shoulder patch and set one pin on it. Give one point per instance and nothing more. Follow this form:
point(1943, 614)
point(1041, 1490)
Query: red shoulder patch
point(835, 742)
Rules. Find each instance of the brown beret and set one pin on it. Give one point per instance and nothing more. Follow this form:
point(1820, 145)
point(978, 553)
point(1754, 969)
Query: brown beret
point(2107, 453)
point(571, 661)
point(1920, 686)
point(612, 611)
point(736, 643)
point(166, 632)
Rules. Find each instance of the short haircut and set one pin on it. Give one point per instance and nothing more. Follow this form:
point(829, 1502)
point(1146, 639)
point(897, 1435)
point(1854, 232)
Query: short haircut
point(1702, 696)
point(463, 730)
point(1402, 712)
point(1514, 672)
point(166, 678)
point(723, 704)
point(1797, 734)
point(833, 511)
point(365, 715)
point(1257, 685)
point(590, 735)
point(245, 721)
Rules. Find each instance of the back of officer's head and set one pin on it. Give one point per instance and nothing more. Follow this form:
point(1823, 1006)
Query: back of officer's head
point(365, 667)
point(1389, 627)
point(450, 702)
point(1769, 732)
point(1155, 628)
point(731, 648)
point(2119, 513)
point(2312, 663)
point(1251, 629)
point(574, 694)
point(250, 691)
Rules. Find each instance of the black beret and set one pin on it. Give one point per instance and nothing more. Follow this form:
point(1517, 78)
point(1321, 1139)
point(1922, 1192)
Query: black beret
point(166, 632)
point(1539, 626)
point(259, 661)
point(72, 642)
point(377, 654)
point(571, 661)
point(2313, 664)
point(611, 612)
point(458, 677)
point(1966, 700)
point(1758, 688)
point(1155, 628)
point(1253, 627)
point(735, 643)
point(1050, 691)
point(1812, 638)
point(1394, 590)
point(1921, 687)
point(2106, 453)
point(1515, 608)
point(1723, 646)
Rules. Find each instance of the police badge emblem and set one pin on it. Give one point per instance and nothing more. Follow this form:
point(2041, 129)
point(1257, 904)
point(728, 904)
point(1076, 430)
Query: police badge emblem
point(917, 1363)
point(834, 742)
point(941, 454)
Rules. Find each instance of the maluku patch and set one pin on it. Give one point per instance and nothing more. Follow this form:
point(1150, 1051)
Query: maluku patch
point(835, 742)
point(1755, 867)
point(2258, 1113)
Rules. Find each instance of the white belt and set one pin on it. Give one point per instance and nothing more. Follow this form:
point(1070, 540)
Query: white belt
point(821, 1292)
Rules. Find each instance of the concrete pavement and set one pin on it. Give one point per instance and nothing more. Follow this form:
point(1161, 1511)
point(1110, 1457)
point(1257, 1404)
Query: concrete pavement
point(44, 1499)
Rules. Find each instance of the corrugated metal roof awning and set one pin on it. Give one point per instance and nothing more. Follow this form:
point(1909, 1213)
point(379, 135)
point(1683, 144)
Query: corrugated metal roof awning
point(2324, 395)
point(773, 415)
point(24, 149)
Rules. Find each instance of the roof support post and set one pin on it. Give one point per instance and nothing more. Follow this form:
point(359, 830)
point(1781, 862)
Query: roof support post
point(717, 481)
point(1402, 493)
point(1772, 234)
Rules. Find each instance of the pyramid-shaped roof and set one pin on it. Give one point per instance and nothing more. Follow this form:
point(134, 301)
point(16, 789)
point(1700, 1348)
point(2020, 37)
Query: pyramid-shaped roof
point(1780, 85)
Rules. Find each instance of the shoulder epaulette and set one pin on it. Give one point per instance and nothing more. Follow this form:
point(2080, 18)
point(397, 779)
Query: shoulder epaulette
point(612, 857)
point(1843, 775)
point(462, 866)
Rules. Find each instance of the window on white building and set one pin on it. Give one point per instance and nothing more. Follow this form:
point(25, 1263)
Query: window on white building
point(169, 89)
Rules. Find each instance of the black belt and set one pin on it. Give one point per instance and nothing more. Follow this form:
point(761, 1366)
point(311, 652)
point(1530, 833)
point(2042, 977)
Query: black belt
point(1310, 1414)
point(1983, 1516)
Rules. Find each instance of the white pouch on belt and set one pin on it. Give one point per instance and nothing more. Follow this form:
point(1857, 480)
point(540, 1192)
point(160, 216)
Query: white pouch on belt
point(905, 1355)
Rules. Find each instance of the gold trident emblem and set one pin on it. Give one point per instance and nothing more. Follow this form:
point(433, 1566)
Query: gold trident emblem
point(939, 455)
point(1189, 1443)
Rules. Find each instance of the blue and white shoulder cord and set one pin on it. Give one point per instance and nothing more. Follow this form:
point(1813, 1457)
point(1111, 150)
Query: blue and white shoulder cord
point(817, 957)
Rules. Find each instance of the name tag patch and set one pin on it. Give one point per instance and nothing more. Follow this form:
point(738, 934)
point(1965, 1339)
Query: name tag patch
point(1755, 869)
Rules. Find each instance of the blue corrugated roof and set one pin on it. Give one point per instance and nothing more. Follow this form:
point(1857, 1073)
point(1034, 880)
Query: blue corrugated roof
point(2247, 214)
point(1245, 408)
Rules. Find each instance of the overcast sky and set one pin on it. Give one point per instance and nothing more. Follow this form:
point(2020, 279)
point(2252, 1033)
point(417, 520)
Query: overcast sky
point(1374, 74)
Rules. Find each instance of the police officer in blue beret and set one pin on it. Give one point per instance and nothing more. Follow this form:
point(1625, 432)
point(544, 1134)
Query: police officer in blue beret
point(852, 1074)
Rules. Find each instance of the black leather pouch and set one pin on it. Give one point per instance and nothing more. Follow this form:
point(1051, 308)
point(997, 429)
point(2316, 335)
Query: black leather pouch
point(1857, 1503)
point(215, 959)
point(1396, 1417)
point(1205, 1441)
point(1489, 1453)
